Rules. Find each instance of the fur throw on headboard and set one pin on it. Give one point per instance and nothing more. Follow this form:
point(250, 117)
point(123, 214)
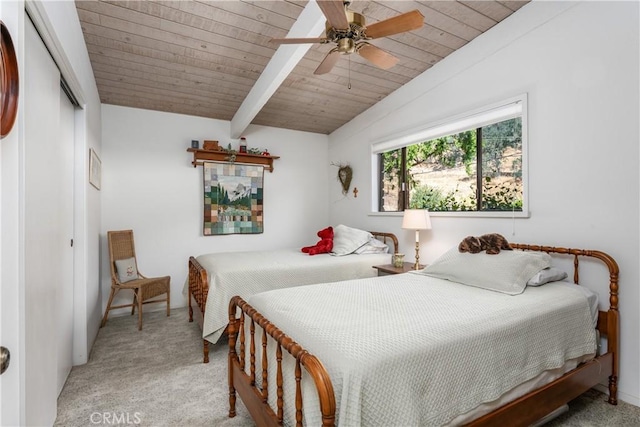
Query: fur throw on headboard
point(491, 243)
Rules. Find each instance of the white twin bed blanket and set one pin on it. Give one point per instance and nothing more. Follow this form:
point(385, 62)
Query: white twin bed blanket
point(247, 273)
point(416, 350)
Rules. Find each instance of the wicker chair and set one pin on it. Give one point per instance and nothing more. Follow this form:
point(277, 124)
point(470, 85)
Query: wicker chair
point(122, 248)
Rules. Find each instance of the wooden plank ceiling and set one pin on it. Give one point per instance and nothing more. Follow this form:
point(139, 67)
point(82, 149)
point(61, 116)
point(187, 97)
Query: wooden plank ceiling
point(202, 58)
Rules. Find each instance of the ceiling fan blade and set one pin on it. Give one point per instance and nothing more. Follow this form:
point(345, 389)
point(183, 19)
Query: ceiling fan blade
point(377, 56)
point(328, 62)
point(296, 41)
point(335, 13)
point(398, 24)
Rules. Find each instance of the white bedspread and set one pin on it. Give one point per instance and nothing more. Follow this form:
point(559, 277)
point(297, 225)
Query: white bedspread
point(247, 273)
point(416, 350)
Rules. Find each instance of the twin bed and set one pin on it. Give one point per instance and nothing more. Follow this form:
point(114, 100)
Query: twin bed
point(215, 278)
point(456, 344)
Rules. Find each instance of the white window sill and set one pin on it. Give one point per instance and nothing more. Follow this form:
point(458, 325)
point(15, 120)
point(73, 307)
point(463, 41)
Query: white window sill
point(466, 214)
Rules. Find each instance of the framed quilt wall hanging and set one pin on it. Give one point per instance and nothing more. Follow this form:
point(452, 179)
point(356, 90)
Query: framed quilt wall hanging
point(233, 196)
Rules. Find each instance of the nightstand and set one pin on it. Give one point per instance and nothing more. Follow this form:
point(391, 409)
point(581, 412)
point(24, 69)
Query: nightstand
point(388, 269)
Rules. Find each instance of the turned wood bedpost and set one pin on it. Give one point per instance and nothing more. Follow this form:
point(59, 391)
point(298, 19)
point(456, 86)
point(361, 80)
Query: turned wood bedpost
point(232, 330)
point(192, 279)
point(199, 290)
point(252, 351)
point(298, 394)
point(265, 365)
point(242, 346)
point(324, 388)
point(613, 323)
point(280, 391)
point(205, 351)
point(198, 286)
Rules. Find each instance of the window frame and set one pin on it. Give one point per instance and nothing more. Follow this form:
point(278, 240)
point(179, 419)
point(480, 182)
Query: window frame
point(469, 120)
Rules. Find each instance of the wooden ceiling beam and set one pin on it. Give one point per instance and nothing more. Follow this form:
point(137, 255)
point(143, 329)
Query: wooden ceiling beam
point(310, 23)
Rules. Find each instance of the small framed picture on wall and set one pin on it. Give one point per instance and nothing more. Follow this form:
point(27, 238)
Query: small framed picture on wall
point(95, 169)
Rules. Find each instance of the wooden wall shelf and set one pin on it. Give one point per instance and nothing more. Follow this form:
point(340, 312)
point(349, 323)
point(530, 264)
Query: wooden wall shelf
point(199, 156)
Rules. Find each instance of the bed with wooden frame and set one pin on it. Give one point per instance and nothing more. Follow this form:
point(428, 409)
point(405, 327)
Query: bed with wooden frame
point(251, 382)
point(199, 279)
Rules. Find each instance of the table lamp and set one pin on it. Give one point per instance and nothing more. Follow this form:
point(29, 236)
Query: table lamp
point(416, 219)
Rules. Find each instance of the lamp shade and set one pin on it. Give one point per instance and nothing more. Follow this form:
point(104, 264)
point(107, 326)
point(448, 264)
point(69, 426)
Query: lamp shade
point(416, 219)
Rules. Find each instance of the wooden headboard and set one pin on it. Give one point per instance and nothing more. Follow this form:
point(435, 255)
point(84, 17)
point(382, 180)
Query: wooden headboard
point(609, 320)
point(384, 236)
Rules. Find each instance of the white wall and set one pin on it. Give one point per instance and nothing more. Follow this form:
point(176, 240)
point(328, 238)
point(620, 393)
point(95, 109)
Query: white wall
point(150, 186)
point(578, 62)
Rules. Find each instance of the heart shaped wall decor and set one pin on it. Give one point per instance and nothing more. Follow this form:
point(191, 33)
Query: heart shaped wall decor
point(345, 173)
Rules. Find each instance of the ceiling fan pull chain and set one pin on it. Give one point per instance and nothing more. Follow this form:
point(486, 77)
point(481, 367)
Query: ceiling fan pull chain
point(349, 74)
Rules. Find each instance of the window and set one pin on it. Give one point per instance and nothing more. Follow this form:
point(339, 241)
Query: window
point(469, 164)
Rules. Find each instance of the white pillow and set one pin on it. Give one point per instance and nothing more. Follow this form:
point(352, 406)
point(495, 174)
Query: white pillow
point(126, 269)
point(347, 240)
point(373, 246)
point(550, 274)
point(506, 272)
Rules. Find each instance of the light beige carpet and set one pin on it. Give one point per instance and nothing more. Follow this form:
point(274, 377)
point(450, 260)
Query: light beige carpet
point(155, 377)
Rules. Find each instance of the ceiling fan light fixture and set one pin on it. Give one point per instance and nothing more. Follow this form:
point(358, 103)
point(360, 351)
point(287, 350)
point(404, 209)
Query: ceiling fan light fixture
point(346, 45)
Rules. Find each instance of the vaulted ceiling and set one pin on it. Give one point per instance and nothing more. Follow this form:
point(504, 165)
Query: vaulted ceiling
point(203, 58)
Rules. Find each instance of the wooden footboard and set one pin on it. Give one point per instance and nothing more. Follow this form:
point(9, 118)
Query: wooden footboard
point(198, 291)
point(256, 399)
point(522, 412)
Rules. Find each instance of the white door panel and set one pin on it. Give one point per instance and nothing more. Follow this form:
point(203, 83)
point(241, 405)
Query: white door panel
point(43, 236)
point(65, 307)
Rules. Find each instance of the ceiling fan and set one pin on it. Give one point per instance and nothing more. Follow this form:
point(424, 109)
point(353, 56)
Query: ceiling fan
point(350, 33)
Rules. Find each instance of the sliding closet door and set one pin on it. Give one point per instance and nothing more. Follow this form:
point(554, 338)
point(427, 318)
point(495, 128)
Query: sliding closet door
point(65, 144)
point(46, 234)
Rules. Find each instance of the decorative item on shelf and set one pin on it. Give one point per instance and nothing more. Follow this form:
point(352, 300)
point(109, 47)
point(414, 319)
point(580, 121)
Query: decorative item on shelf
point(243, 145)
point(397, 260)
point(265, 153)
point(345, 173)
point(231, 154)
point(210, 145)
point(416, 219)
point(195, 144)
point(255, 151)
